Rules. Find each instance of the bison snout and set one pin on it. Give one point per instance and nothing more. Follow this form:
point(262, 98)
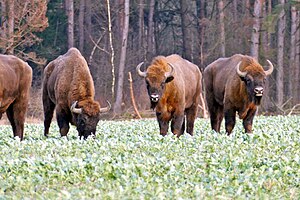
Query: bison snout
point(258, 91)
point(154, 97)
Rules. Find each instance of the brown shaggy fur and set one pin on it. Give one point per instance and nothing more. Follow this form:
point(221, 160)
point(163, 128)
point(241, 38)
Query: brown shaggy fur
point(67, 79)
point(15, 83)
point(178, 97)
point(227, 93)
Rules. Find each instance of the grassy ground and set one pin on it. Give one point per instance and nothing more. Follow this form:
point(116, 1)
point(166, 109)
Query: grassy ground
point(130, 160)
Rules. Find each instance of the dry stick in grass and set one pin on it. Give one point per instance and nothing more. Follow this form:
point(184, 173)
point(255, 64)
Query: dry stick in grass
point(132, 96)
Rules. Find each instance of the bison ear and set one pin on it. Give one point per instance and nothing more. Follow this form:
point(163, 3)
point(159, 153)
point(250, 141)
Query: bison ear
point(169, 79)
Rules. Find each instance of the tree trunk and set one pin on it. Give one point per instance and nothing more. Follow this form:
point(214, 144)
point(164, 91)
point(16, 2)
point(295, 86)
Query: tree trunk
point(10, 27)
point(201, 27)
point(186, 31)
point(88, 16)
point(119, 97)
point(3, 30)
point(293, 85)
point(297, 58)
point(254, 49)
point(280, 54)
point(141, 30)
point(70, 15)
point(265, 38)
point(151, 40)
point(81, 24)
point(222, 27)
point(235, 11)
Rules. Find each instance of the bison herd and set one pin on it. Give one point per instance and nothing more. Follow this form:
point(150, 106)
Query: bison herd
point(233, 85)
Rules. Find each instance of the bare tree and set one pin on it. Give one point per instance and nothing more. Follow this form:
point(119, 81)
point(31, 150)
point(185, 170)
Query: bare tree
point(80, 24)
point(70, 14)
point(10, 27)
point(280, 54)
point(222, 27)
point(151, 39)
point(201, 29)
point(141, 28)
point(254, 49)
point(186, 31)
point(293, 85)
point(21, 21)
point(119, 96)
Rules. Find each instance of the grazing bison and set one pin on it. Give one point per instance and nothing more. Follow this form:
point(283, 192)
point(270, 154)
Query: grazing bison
point(15, 83)
point(234, 84)
point(174, 87)
point(68, 87)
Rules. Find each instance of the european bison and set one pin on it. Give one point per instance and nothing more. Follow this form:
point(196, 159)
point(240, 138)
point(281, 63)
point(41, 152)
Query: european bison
point(68, 87)
point(15, 83)
point(174, 87)
point(234, 84)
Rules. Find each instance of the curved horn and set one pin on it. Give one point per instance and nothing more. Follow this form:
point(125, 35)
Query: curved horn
point(270, 70)
point(168, 74)
point(75, 110)
point(106, 109)
point(138, 70)
point(241, 74)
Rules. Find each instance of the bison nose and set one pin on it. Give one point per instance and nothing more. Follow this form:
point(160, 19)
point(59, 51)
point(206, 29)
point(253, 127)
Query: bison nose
point(154, 97)
point(259, 91)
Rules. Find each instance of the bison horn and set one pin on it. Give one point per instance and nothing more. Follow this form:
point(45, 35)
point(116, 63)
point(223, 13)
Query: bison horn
point(106, 109)
point(168, 74)
point(270, 70)
point(76, 110)
point(241, 74)
point(142, 74)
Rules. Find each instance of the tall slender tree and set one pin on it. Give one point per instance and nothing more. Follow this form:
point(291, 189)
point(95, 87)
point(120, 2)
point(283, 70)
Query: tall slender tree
point(292, 87)
point(70, 14)
point(150, 36)
point(254, 48)
point(80, 24)
point(119, 97)
point(222, 27)
point(186, 29)
point(280, 55)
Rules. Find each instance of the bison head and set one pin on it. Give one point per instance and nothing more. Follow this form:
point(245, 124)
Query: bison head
point(156, 78)
point(87, 117)
point(254, 78)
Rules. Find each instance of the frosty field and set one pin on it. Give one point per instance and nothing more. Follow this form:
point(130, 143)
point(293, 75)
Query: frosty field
point(130, 160)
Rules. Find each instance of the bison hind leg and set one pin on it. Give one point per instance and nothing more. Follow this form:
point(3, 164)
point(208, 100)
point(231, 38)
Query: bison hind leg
point(49, 107)
point(191, 114)
point(16, 116)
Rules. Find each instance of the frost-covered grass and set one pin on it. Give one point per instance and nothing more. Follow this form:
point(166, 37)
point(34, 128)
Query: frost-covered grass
point(130, 160)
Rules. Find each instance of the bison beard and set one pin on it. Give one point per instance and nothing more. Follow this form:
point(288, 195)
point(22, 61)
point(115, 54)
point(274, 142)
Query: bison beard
point(174, 86)
point(234, 84)
point(15, 83)
point(68, 88)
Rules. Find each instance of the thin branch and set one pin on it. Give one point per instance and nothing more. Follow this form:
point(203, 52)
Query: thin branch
point(132, 96)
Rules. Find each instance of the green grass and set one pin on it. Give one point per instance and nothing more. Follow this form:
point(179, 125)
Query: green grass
point(130, 160)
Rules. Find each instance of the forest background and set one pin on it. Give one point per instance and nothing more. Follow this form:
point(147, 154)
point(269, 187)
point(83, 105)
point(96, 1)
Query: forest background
point(115, 36)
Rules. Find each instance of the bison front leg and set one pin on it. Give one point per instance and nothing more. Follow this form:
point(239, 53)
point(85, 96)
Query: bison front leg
point(163, 122)
point(229, 120)
point(248, 121)
point(63, 119)
point(178, 125)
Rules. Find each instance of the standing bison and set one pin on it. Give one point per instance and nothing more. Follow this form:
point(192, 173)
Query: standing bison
point(68, 87)
point(174, 87)
point(234, 84)
point(15, 83)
